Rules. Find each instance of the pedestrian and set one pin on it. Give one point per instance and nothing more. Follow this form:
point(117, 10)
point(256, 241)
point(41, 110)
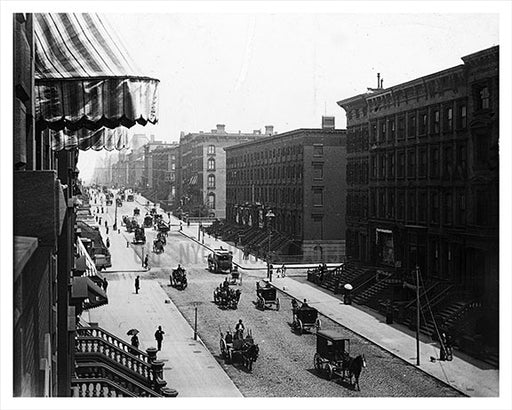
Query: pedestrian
point(127, 244)
point(108, 242)
point(146, 261)
point(135, 342)
point(159, 336)
point(106, 224)
point(96, 217)
point(188, 222)
point(137, 284)
point(99, 220)
point(181, 226)
point(105, 284)
point(102, 210)
point(106, 230)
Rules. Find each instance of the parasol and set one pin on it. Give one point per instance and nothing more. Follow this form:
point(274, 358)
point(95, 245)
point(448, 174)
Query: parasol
point(348, 286)
point(132, 332)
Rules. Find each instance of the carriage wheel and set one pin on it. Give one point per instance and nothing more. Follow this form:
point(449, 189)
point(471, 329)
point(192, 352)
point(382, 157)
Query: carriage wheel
point(330, 371)
point(300, 327)
point(277, 304)
point(317, 362)
point(263, 303)
point(230, 356)
point(318, 324)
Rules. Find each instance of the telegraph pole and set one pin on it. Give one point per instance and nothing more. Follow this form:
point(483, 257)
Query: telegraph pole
point(417, 315)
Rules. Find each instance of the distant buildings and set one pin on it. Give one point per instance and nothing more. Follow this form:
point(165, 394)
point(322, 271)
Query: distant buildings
point(300, 176)
point(202, 188)
point(422, 176)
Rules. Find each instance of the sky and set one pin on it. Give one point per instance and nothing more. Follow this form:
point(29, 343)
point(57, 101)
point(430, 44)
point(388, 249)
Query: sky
point(286, 69)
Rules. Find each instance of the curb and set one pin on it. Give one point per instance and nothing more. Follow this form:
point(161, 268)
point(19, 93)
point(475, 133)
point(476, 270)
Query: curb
point(377, 344)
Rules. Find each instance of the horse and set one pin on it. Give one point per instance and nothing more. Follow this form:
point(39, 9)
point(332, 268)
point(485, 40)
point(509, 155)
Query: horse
point(355, 366)
point(250, 355)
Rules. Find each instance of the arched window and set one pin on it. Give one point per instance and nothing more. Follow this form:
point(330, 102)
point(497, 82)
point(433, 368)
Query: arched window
point(211, 149)
point(211, 181)
point(211, 164)
point(211, 201)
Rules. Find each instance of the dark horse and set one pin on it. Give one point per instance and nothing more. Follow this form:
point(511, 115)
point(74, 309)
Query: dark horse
point(249, 355)
point(354, 368)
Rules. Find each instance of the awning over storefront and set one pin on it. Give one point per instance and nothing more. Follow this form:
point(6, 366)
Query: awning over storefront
point(90, 267)
point(91, 295)
point(85, 78)
point(84, 139)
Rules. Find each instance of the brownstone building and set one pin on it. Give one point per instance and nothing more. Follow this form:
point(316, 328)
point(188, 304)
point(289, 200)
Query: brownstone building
point(300, 176)
point(202, 170)
point(422, 176)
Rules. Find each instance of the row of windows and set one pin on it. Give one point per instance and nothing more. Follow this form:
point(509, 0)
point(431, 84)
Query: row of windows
point(293, 171)
point(424, 206)
point(285, 195)
point(435, 161)
point(244, 160)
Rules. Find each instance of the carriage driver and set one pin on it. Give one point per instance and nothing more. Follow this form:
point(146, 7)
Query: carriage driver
point(228, 338)
point(239, 329)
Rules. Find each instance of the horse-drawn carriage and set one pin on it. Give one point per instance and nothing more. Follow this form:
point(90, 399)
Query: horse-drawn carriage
point(158, 246)
point(234, 348)
point(139, 236)
point(136, 212)
point(109, 201)
point(225, 297)
point(163, 227)
point(153, 211)
point(157, 218)
point(162, 237)
point(267, 296)
point(131, 224)
point(179, 278)
point(333, 359)
point(148, 221)
point(305, 317)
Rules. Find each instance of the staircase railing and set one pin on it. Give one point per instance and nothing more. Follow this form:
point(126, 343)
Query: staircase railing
point(118, 383)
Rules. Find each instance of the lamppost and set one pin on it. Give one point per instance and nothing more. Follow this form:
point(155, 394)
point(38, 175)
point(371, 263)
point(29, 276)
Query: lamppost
point(270, 215)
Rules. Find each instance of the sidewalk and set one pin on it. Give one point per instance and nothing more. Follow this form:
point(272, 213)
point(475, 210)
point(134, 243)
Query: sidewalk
point(188, 365)
point(471, 377)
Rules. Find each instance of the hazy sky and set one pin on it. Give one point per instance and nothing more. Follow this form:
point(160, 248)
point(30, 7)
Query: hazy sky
point(287, 70)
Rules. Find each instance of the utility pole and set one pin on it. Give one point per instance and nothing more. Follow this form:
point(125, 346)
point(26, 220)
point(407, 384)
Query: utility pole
point(417, 316)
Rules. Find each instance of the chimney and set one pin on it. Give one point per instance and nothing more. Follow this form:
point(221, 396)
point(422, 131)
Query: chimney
point(256, 132)
point(327, 123)
point(269, 129)
point(221, 128)
point(378, 80)
point(382, 83)
point(152, 138)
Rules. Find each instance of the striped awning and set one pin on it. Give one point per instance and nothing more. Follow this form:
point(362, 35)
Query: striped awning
point(85, 78)
point(84, 139)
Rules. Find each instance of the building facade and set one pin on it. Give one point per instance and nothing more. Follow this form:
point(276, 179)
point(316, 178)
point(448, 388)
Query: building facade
point(300, 176)
point(202, 176)
point(163, 162)
point(422, 176)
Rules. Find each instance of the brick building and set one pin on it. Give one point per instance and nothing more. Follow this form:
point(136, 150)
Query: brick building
point(202, 175)
point(422, 176)
point(300, 176)
point(163, 160)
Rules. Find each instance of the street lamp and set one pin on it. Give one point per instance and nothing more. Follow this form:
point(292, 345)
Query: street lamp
point(270, 215)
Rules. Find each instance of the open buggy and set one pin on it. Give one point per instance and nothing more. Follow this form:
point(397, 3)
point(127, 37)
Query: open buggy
point(131, 224)
point(136, 212)
point(158, 246)
point(148, 221)
point(220, 261)
point(162, 237)
point(163, 227)
point(332, 357)
point(139, 236)
point(226, 297)
point(244, 349)
point(305, 318)
point(267, 296)
point(179, 279)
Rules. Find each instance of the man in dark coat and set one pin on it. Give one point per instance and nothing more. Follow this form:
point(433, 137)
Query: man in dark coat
point(159, 336)
point(137, 284)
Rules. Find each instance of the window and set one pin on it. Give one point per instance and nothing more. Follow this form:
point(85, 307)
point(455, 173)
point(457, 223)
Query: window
point(382, 165)
point(400, 205)
point(318, 230)
point(401, 164)
point(373, 161)
point(448, 208)
point(318, 171)
point(382, 203)
point(318, 197)
point(391, 204)
point(422, 208)
point(383, 130)
point(401, 128)
point(434, 207)
point(448, 119)
point(461, 160)
point(211, 164)
point(391, 127)
point(211, 201)
point(422, 170)
point(462, 117)
point(411, 164)
point(318, 150)
point(434, 162)
point(373, 132)
point(412, 126)
point(211, 181)
point(461, 207)
point(411, 206)
point(391, 165)
point(447, 162)
point(435, 121)
point(483, 102)
point(423, 123)
point(373, 201)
